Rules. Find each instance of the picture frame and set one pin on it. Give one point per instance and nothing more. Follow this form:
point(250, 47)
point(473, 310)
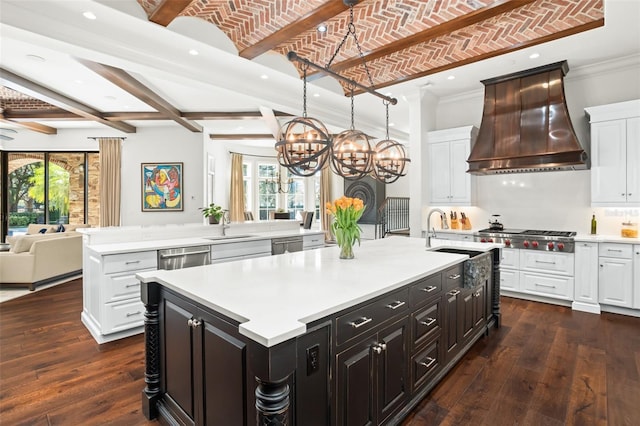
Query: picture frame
point(162, 187)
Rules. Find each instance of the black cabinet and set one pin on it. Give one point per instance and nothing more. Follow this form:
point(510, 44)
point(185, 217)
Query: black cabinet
point(203, 366)
point(372, 376)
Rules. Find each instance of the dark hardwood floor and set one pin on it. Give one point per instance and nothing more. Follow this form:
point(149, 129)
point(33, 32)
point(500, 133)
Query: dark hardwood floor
point(547, 365)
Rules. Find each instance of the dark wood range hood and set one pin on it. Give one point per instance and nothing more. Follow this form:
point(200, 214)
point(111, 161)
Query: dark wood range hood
point(526, 126)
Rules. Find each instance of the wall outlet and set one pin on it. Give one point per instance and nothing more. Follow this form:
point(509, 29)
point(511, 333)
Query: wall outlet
point(313, 359)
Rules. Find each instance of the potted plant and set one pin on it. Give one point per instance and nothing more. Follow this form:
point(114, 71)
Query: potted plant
point(213, 212)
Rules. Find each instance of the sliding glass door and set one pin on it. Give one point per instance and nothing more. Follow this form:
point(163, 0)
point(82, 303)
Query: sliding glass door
point(50, 188)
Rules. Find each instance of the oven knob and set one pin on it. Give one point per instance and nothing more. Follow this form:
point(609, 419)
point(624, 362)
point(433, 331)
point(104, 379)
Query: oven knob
point(490, 240)
point(550, 246)
point(507, 243)
point(526, 244)
point(560, 246)
point(482, 240)
point(534, 244)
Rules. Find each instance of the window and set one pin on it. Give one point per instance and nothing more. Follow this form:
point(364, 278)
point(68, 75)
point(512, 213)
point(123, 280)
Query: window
point(263, 198)
point(51, 188)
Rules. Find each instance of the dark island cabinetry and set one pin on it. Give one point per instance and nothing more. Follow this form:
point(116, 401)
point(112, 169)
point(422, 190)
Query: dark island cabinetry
point(369, 364)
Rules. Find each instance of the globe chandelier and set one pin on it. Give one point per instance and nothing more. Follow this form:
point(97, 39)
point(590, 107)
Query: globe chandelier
point(304, 144)
point(390, 159)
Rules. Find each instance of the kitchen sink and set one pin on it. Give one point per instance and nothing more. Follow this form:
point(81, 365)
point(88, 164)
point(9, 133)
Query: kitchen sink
point(470, 253)
point(228, 237)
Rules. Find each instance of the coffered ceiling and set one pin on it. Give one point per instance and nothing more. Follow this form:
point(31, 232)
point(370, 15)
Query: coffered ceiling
point(135, 72)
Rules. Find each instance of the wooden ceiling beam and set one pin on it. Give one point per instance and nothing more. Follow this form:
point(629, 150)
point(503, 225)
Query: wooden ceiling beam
point(455, 24)
point(41, 114)
point(304, 23)
point(30, 88)
point(36, 127)
point(168, 10)
point(128, 83)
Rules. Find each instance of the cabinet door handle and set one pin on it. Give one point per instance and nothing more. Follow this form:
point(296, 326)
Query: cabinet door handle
point(545, 262)
point(379, 347)
point(360, 322)
point(476, 294)
point(615, 250)
point(429, 362)
point(395, 305)
point(454, 277)
point(131, 262)
point(428, 322)
point(133, 314)
point(133, 285)
point(194, 323)
point(429, 289)
point(454, 292)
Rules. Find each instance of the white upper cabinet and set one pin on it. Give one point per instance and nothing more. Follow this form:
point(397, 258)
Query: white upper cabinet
point(615, 154)
point(449, 182)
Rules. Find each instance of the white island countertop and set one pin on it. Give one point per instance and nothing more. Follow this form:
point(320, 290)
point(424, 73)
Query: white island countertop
point(275, 297)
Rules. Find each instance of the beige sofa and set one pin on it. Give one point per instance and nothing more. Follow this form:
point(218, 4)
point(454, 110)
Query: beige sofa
point(36, 258)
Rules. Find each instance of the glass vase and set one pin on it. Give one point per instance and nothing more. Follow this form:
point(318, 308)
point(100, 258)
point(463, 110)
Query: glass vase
point(346, 251)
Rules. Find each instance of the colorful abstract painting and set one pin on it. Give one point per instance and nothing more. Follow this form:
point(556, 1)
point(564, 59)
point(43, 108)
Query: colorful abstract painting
point(162, 187)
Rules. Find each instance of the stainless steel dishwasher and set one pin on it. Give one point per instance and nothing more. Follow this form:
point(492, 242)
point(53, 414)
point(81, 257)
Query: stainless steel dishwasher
point(184, 257)
point(284, 245)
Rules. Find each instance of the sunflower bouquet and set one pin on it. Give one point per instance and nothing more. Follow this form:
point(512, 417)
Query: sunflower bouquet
point(346, 211)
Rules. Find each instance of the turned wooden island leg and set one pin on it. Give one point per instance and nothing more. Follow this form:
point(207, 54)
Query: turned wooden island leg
point(272, 403)
point(151, 392)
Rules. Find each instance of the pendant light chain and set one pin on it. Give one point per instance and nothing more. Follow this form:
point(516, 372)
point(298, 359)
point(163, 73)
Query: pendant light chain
point(304, 91)
point(386, 104)
point(353, 126)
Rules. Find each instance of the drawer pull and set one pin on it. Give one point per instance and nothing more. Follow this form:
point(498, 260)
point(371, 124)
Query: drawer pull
point(428, 322)
point(395, 305)
point(133, 285)
point(545, 262)
point(131, 262)
point(429, 289)
point(615, 250)
point(545, 285)
point(360, 322)
point(194, 323)
point(454, 277)
point(429, 362)
point(133, 314)
point(454, 292)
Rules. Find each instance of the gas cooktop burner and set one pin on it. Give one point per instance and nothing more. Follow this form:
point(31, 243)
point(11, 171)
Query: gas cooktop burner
point(532, 239)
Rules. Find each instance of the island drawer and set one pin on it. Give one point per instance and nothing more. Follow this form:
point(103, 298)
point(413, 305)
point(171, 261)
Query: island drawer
point(425, 365)
point(360, 320)
point(425, 289)
point(425, 323)
point(453, 277)
point(130, 261)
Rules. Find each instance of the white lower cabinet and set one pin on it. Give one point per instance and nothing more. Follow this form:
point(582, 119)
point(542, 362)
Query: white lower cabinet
point(636, 276)
point(615, 275)
point(112, 306)
point(558, 287)
point(585, 294)
point(509, 274)
point(240, 250)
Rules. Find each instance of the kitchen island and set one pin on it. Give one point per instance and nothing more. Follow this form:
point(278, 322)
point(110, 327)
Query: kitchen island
point(308, 338)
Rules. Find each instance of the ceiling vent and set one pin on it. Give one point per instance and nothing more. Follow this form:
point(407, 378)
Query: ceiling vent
point(525, 125)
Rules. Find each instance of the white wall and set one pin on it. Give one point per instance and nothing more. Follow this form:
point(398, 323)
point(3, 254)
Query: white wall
point(550, 200)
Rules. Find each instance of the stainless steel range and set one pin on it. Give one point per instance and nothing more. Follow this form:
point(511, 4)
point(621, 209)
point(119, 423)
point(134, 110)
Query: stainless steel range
point(531, 239)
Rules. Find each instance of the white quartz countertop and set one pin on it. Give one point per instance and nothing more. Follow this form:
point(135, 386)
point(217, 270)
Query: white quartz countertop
point(606, 239)
point(471, 245)
point(275, 297)
point(159, 244)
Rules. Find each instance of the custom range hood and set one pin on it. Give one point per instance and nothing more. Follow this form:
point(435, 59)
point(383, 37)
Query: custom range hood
point(525, 125)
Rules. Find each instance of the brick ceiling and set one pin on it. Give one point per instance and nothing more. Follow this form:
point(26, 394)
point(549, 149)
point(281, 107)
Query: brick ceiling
point(400, 39)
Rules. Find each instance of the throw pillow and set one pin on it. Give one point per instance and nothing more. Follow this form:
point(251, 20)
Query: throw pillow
point(43, 231)
point(60, 228)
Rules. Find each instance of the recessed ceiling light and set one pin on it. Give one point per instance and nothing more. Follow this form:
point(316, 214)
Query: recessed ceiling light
point(193, 52)
point(110, 98)
point(35, 58)
point(534, 56)
point(89, 15)
point(316, 95)
point(322, 28)
point(451, 77)
point(264, 76)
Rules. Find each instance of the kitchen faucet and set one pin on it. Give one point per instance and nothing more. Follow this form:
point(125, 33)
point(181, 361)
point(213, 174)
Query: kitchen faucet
point(225, 222)
point(445, 225)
